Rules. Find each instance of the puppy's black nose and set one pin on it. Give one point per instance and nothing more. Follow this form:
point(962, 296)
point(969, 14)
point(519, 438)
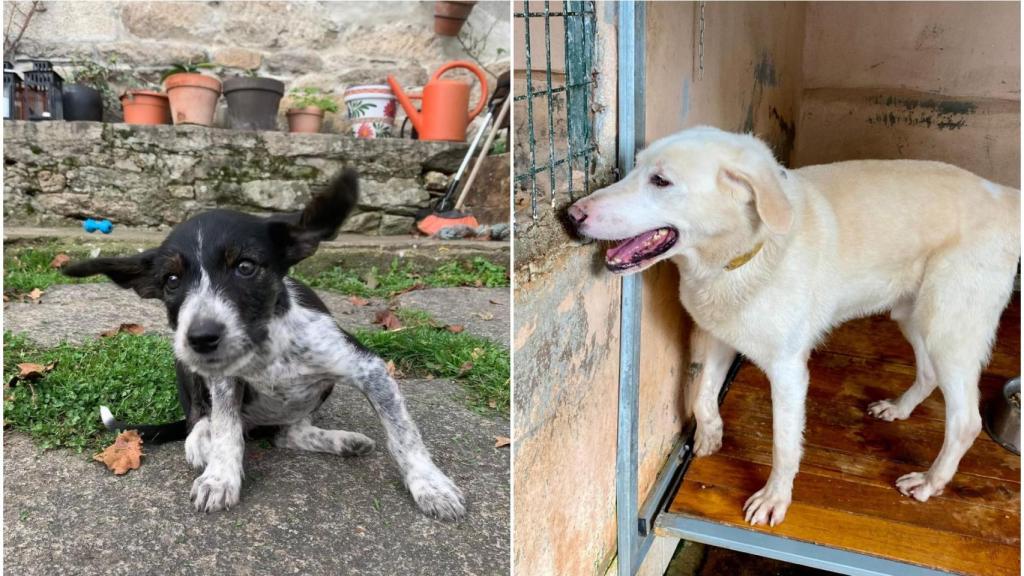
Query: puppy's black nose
point(204, 335)
point(577, 215)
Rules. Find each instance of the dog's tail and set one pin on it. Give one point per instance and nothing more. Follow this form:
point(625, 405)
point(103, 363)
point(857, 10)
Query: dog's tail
point(150, 433)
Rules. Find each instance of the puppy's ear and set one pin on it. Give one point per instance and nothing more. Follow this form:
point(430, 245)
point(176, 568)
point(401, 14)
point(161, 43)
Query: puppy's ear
point(299, 234)
point(772, 205)
point(135, 272)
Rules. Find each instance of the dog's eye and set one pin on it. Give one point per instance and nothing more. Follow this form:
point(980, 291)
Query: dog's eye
point(171, 282)
point(246, 268)
point(660, 182)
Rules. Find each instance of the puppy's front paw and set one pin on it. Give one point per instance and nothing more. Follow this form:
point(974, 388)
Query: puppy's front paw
point(197, 444)
point(214, 491)
point(919, 486)
point(436, 495)
point(767, 506)
point(887, 410)
point(355, 444)
point(708, 437)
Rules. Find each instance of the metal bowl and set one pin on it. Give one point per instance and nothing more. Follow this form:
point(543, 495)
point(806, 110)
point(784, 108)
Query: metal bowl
point(1003, 419)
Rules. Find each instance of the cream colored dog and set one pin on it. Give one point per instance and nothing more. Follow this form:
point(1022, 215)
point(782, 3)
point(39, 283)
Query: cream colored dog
point(771, 259)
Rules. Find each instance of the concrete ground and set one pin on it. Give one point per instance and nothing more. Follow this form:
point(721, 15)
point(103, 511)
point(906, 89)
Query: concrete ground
point(300, 513)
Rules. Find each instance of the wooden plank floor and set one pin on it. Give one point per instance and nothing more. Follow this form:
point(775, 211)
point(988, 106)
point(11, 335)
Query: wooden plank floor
point(844, 495)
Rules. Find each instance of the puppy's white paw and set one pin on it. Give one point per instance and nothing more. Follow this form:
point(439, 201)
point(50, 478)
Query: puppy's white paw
point(214, 491)
point(436, 495)
point(197, 444)
point(767, 506)
point(919, 486)
point(887, 410)
point(708, 437)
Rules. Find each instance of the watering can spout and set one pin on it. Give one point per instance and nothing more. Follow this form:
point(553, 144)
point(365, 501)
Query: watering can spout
point(406, 102)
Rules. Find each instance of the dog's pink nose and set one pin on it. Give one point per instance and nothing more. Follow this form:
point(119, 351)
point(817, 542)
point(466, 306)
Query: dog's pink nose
point(577, 214)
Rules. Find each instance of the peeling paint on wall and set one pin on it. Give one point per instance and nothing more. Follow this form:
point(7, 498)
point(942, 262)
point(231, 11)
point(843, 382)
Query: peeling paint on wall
point(929, 113)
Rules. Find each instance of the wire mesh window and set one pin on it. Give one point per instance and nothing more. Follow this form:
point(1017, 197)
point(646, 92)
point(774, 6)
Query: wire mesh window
point(555, 136)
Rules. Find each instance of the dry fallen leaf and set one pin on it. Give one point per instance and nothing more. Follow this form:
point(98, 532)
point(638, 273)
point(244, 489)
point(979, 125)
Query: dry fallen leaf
point(478, 283)
point(501, 441)
point(484, 315)
point(35, 294)
point(387, 320)
point(357, 301)
point(465, 368)
point(134, 329)
point(391, 368)
point(30, 371)
point(60, 260)
point(418, 286)
point(455, 328)
point(492, 404)
point(124, 454)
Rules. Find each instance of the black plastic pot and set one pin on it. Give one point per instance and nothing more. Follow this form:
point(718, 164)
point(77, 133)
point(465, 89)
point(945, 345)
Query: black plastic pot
point(82, 103)
point(253, 102)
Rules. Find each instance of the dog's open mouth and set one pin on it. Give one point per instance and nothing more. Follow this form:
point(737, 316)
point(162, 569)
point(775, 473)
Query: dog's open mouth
point(640, 249)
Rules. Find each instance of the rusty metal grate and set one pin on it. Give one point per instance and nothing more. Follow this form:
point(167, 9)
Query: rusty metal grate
point(574, 151)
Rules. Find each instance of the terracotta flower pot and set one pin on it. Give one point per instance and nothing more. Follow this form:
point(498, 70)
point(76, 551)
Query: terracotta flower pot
point(193, 98)
point(449, 16)
point(305, 119)
point(145, 107)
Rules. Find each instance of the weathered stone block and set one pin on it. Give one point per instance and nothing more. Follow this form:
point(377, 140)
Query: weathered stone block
point(234, 57)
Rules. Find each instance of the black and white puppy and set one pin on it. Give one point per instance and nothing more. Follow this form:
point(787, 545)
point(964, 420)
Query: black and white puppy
point(258, 352)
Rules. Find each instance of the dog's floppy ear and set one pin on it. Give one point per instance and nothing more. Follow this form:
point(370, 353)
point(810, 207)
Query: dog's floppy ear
point(135, 272)
point(772, 205)
point(300, 233)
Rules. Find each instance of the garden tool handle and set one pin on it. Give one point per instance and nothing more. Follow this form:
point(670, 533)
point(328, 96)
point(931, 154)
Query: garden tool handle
point(483, 153)
point(475, 70)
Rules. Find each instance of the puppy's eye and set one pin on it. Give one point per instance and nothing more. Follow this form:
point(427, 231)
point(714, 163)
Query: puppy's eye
point(660, 182)
point(246, 268)
point(171, 282)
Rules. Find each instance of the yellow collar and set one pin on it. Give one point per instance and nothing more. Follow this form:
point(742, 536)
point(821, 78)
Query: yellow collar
point(743, 258)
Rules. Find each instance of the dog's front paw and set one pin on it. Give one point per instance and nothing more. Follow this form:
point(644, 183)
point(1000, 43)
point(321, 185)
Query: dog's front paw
point(436, 495)
point(887, 410)
point(767, 506)
point(197, 444)
point(214, 491)
point(919, 486)
point(708, 437)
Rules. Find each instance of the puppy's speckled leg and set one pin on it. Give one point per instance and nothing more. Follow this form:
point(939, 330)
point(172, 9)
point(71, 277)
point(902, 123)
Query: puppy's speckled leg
point(305, 436)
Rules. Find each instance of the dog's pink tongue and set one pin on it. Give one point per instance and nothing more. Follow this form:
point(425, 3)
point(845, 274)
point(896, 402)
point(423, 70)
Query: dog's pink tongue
point(627, 250)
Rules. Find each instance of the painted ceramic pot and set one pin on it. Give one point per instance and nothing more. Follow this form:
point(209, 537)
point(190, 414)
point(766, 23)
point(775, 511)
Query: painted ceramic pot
point(370, 101)
point(369, 128)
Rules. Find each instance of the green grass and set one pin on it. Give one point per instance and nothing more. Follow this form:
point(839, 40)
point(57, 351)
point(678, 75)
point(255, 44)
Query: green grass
point(29, 268)
point(421, 348)
point(397, 278)
point(133, 375)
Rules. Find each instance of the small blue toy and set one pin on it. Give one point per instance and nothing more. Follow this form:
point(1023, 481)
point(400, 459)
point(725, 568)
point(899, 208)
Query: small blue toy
point(104, 226)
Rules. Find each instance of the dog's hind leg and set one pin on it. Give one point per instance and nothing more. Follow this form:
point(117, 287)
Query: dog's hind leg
point(433, 491)
point(709, 363)
point(305, 436)
point(924, 381)
point(958, 310)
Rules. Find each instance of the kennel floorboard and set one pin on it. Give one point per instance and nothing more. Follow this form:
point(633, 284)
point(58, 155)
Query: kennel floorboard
point(844, 496)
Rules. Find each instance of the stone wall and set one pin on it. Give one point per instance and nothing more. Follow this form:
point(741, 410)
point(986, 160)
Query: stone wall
point(58, 173)
point(330, 45)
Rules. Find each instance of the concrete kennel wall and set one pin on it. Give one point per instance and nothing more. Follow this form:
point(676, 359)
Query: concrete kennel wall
point(566, 342)
point(938, 81)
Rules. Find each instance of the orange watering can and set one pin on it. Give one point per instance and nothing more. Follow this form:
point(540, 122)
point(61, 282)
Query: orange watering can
point(445, 114)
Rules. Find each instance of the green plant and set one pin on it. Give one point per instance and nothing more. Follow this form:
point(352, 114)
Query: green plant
point(312, 98)
point(187, 68)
